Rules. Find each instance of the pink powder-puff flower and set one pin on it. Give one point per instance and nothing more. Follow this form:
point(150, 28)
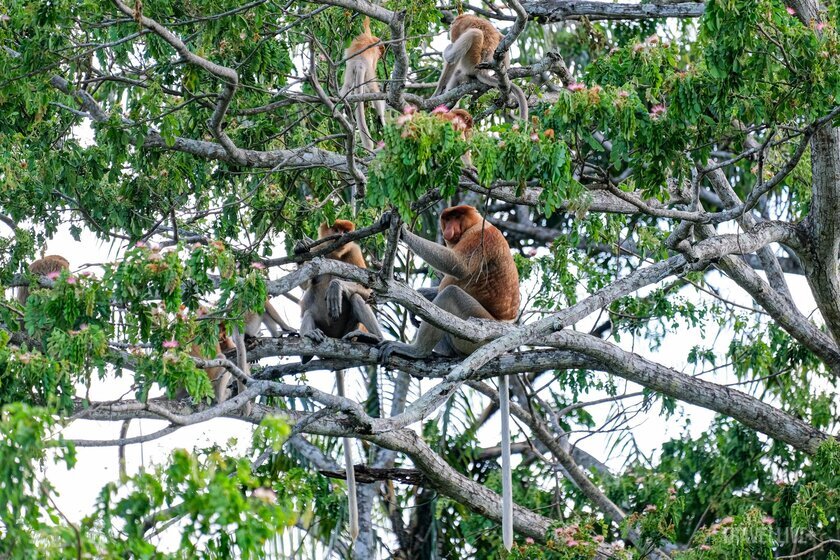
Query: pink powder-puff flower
point(657, 111)
point(622, 93)
point(440, 110)
point(576, 86)
point(820, 26)
point(727, 521)
point(140, 245)
point(652, 40)
point(258, 265)
point(705, 547)
point(53, 275)
point(790, 10)
point(649, 508)
point(532, 252)
point(170, 344)
point(638, 47)
point(380, 145)
point(71, 280)
point(534, 137)
point(529, 540)
point(409, 110)
point(572, 543)
point(598, 538)
point(768, 520)
point(402, 119)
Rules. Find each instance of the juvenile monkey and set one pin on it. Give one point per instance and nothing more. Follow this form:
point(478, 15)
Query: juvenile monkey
point(362, 56)
point(42, 267)
point(473, 40)
point(336, 308)
point(481, 281)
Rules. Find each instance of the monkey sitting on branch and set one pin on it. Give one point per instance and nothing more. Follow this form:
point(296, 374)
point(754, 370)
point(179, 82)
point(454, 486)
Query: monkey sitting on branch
point(473, 42)
point(480, 281)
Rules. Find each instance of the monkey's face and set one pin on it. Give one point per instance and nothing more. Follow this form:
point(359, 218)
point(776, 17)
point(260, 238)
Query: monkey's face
point(451, 228)
point(340, 227)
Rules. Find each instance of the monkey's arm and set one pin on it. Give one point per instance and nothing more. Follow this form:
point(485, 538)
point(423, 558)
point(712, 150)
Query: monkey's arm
point(443, 259)
point(338, 290)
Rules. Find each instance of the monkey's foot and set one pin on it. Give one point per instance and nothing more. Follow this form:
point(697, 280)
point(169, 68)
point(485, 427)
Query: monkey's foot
point(362, 336)
point(315, 335)
point(389, 347)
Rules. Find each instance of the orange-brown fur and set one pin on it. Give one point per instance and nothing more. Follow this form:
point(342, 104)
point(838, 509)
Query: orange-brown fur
point(493, 279)
point(461, 120)
point(481, 51)
point(360, 77)
point(42, 267)
point(362, 45)
point(350, 253)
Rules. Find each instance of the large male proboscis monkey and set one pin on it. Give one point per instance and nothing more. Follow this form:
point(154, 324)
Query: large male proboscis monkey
point(473, 42)
point(336, 308)
point(42, 267)
point(481, 281)
point(362, 56)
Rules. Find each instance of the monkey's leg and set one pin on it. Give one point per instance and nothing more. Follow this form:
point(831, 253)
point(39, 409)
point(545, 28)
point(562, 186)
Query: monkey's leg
point(309, 330)
point(362, 313)
point(272, 319)
point(352, 503)
point(453, 55)
point(378, 104)
point(452, 299)
point(430, 293)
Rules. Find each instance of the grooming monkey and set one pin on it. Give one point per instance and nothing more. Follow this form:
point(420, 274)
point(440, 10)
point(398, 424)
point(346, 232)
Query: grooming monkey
point(481, 281)
point(42, 267)
point(336, 308)
point(473, 42)
point(362, 56)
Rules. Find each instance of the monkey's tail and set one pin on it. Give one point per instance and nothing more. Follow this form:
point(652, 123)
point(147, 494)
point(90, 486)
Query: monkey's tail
point(352, 502)
point(121, 451)
point(522, 99)
point(507, 490)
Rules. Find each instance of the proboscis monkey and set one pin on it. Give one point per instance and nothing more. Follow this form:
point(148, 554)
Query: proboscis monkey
point(462, 122)
point(45, 266)
point(481, 281)
point(362, 56)
point(473, 41)
point(336, 308)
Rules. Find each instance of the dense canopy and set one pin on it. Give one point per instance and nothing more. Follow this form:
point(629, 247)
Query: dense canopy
point(671, 204)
